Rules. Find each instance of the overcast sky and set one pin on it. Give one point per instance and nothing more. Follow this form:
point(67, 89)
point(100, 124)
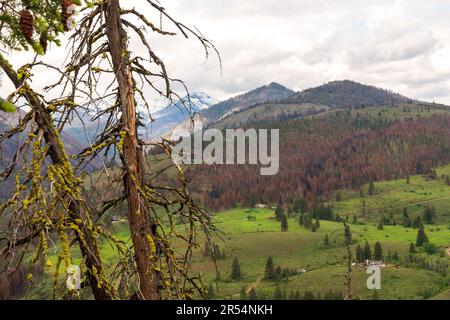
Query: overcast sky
point(402, 45)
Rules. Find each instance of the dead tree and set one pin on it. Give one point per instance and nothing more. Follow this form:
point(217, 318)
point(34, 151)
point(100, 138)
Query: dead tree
point(66, 186)
point(99, 51)
point(142, 230)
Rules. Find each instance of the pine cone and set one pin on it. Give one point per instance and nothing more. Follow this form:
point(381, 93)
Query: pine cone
point(26, 24)
point(66, 13)
point(43, 41)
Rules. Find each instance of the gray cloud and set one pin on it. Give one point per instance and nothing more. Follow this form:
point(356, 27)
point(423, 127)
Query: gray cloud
point(398, 44)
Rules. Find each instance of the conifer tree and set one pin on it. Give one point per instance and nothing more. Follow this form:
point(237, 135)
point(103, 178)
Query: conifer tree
point(378, 252)
point(406, 220)
point(429, 215)
point(367, 251)
point(33, 24)
point(359, 254)
point(279, 212)
point(417, 222)
point(284, 223)
point(422, 237)
point(235, 270)
point(412, 248)
point(269, 273)
point(380, 226)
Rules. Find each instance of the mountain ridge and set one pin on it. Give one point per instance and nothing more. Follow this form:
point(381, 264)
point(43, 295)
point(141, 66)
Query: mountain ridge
point(341, 94)
point(269, 93)
point(348, 93)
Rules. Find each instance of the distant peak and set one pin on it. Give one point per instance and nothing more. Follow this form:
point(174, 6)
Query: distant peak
point(348, 93)
point(276, 85)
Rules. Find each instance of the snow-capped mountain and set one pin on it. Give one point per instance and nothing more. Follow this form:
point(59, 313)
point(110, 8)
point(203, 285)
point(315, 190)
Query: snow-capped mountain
point(166, 116)
point(175, 114)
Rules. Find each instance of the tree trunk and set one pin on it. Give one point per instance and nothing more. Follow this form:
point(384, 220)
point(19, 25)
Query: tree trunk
point(89, 248)
point(143, 234)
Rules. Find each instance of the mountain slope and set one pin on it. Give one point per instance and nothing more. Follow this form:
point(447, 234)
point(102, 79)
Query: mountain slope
point(270, 93)
point(333, 95)
point(268, 113)
point(346, 93)
point(177, 113)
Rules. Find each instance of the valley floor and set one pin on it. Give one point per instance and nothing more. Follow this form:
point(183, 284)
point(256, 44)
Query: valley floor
point(252, 235)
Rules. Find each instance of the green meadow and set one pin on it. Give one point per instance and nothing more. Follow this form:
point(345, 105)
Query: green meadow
point(252, 235)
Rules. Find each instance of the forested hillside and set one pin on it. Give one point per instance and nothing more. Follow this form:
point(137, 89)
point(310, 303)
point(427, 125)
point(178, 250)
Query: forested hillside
point(341, 94)
point(337, 150)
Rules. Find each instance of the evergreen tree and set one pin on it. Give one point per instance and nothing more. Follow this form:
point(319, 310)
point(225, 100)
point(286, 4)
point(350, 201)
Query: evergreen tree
point(279, 212)
point(300, 219)
point(412, 248)
point(417, 222)
point(378, 252)
point(421, 236)
point(367, 251)
point(359, 254)
point(307, 221)
point(34, 24)
point(269, 273)
point(380, 226)
point(235, 270)
point(406, 220)
point(429, 215)
point(300, 205)
point(278, 272)
point(284, 223)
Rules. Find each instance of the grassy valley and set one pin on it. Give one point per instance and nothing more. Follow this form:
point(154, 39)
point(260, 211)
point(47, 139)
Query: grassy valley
point(252, 235)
